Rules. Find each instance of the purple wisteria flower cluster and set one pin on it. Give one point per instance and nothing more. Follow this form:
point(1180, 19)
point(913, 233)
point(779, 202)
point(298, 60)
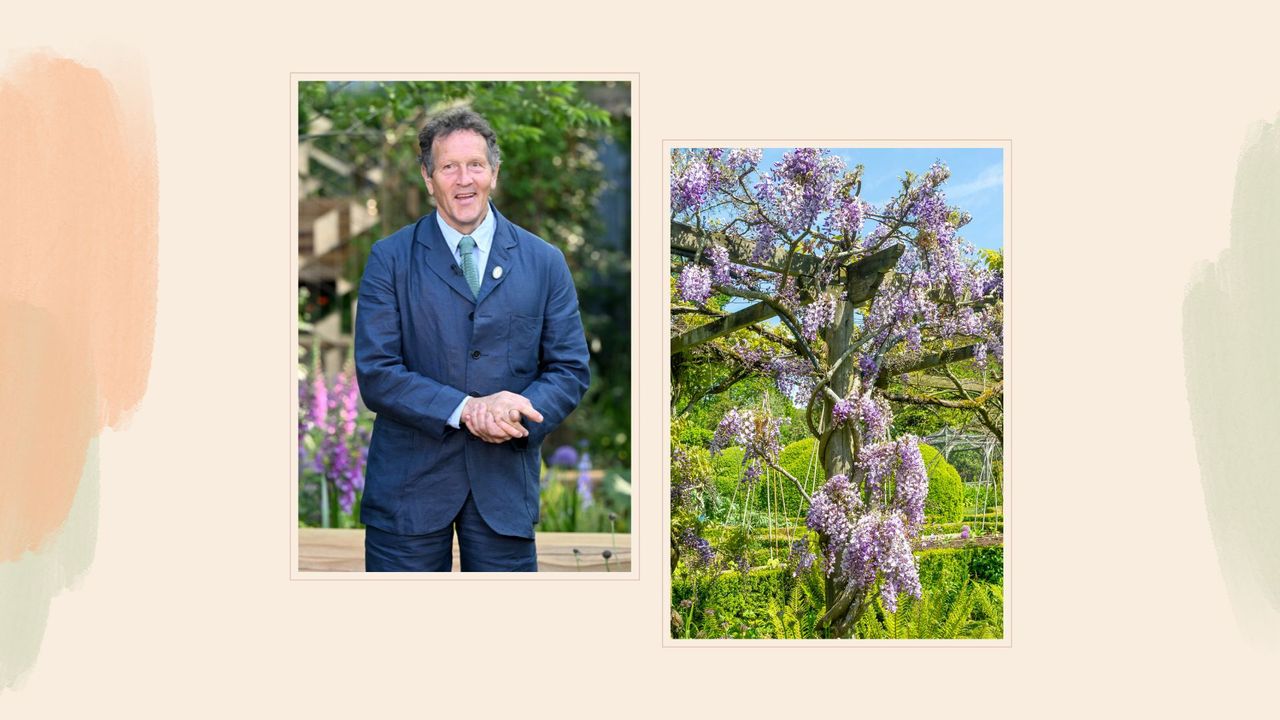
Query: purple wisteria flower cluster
point(817, 315)
point(694, 284)
point(801, 557)
point(868, 530)
point(758, 434)
point(704, 555)
point(722, 270)
point(331, 443)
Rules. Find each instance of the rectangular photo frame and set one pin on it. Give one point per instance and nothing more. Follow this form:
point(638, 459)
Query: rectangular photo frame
point(565, 174)
point(837, 339)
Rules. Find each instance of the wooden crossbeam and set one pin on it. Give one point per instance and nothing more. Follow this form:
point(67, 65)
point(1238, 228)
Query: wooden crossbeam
point(939, 383)
point(685, 242)
point(722, 326)
point(863, 278)
point(931, 360)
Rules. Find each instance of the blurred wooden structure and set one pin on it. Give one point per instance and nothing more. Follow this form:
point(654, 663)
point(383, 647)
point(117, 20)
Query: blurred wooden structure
point(330, 550)
point(326, 226)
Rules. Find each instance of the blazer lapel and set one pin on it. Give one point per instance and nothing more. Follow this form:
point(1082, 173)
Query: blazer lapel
point(504, 239)
point(438, 257)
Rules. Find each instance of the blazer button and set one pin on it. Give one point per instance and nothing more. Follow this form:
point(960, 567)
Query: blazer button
point(474, 394)
point(475, 353)
point(471, 316)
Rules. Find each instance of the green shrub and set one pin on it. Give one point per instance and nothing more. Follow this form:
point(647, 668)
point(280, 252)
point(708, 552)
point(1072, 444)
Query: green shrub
point(987, 564)
point(947, 568)
point(764, 603)
point(695, 436)
point(796, 459)
point(727, 469)
point(945, 502)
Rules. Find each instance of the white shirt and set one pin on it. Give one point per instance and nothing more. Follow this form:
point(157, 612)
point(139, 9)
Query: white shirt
point(483, 235)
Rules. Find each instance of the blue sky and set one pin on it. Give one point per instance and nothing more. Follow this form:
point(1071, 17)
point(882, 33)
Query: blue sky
point(976, 184)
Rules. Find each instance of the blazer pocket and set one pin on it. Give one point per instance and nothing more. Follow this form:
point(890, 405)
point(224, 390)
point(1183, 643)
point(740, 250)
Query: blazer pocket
point(524, 336)
point(391, 455)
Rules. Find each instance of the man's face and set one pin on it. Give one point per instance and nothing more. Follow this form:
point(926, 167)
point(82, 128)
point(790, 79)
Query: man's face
point(461, 179)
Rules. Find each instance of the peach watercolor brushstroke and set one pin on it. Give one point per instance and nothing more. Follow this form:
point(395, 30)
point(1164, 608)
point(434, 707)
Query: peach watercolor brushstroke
point(1231, 346)
point(78, 244)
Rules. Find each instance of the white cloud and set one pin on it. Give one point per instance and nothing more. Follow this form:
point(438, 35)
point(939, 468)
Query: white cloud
point(991, 176)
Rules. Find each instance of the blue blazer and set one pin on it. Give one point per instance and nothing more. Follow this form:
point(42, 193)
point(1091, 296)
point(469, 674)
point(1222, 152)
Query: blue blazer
point(423, 343)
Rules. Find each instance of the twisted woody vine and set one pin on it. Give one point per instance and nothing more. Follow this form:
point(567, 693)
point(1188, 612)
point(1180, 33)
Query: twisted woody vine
point(783, 275)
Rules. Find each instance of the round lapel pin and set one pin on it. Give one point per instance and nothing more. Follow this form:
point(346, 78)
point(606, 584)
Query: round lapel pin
point(497, 272)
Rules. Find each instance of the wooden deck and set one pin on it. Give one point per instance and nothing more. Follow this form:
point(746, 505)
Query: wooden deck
point(331, 550)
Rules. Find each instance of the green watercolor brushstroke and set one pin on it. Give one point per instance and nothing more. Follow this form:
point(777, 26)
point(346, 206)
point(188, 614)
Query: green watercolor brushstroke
point(1231, 345)
point(29, 584)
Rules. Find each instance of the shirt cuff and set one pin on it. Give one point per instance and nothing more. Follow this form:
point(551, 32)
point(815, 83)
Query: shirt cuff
point(455, 419)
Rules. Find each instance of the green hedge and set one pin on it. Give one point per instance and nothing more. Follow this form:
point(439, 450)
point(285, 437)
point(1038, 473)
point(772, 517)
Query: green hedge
point(794, 458)
point(947, 568)
point(945, 502)
point(955, 527)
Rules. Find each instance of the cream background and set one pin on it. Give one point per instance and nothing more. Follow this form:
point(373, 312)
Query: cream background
point(1126, 126)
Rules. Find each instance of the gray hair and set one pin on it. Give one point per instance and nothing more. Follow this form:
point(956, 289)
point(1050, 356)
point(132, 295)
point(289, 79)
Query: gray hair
point(450, 122)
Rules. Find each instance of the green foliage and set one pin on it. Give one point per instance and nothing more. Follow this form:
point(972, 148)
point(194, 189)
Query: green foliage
point(973, 611)
point(949, 568)
point(994, 259)
point(800, 459)
point(727, 467)
point(925, 420)
point(695, 435)
point(945, 501)
point(764, 603)
point(987, 565)
point(563, 511)
point(980, 498)
point(962, 598)
point(955, 527)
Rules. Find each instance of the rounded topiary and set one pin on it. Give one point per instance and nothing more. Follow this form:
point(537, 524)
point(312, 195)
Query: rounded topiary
point(796, 458)
point(945, 502)
point(727, 468)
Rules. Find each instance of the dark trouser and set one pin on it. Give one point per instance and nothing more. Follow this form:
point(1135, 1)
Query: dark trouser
point(480, 548)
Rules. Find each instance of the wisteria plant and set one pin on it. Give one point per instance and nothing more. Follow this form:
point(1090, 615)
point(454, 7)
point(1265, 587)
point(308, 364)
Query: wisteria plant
point(858, 294)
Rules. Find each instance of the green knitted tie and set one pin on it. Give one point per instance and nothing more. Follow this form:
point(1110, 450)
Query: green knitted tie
point(465, 247)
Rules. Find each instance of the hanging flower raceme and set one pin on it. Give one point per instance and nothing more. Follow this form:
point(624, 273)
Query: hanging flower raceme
point(694, 284)
point(816, 316)
point(691, 185)
point(703, 554)
point(869, 540)
point(721, 266)
point(759, 436)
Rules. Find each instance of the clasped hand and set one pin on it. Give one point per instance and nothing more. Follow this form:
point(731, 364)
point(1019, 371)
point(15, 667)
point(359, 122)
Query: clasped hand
point(496, 418)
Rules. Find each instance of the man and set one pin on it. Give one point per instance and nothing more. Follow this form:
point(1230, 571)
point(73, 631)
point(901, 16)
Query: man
point(470, 349)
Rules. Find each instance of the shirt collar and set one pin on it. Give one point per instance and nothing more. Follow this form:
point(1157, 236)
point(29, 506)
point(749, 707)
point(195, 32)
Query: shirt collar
point(483, 235)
